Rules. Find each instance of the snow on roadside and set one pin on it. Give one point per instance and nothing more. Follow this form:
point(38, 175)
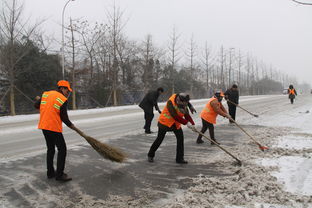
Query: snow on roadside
point(31, 117)
point(295, 172)
point(279, 178)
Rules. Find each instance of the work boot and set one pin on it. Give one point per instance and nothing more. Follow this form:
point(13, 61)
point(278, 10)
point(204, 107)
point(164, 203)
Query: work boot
point(150, 159)
point(148, 132)
point(181, 161)
point(199, 141)
point(214, 143)
point(63, 178)
point(50, 175)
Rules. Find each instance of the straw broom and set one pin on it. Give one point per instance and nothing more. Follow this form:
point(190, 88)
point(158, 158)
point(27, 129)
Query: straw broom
point(104, 150)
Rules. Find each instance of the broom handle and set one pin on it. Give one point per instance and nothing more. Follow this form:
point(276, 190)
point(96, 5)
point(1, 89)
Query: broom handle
point(245, 132)
point(217, 145)
point(79, 131)
point(240, 107)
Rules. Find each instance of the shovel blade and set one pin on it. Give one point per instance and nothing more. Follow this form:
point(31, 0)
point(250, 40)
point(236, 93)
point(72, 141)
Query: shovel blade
point(263, 148)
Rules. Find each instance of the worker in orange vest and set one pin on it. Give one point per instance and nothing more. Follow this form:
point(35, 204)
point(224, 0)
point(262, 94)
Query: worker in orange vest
point(171, 119)
point(53, 111)
point(291, 93)
point(209, 115)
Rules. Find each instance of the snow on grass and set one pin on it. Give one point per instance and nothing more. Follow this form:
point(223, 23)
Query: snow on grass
point(294, 172)
point(294, 141)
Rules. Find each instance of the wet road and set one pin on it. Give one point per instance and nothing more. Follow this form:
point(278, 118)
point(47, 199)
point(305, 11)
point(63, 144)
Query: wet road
point(101, 183)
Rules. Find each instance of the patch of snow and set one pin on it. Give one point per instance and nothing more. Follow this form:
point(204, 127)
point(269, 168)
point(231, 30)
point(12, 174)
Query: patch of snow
point(294, 172)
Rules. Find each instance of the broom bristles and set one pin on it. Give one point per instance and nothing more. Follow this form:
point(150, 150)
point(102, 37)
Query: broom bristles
point(105, 150)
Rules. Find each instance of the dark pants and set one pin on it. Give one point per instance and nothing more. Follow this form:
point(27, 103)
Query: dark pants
point(205, 126)
point(148, 116)
point(292, 100)
point(160, 137)
point(291, 97)
point(55, 139)
point(232, 111)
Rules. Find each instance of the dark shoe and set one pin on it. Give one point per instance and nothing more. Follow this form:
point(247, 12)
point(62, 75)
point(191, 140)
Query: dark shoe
point(215, 142)
point(63, 178)
point(181, 161)
point(199, 141)
point(148, 132)
point(150, 159)
point(51, 175)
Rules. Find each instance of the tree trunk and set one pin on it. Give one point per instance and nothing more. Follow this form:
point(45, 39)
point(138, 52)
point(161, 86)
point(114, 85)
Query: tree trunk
point(12, 101)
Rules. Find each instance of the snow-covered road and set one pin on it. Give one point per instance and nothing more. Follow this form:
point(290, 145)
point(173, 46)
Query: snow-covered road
point(278, 178)
point(19, 134)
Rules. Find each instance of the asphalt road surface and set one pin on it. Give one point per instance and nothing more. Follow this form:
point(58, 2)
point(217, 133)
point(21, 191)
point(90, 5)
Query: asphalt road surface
point(100, 183)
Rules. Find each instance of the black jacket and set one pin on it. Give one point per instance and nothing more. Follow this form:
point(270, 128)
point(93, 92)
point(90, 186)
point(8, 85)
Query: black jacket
point(149, 101)
point(232, 95)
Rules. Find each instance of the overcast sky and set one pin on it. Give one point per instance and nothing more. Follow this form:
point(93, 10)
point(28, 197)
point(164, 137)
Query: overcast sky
point(279, 32)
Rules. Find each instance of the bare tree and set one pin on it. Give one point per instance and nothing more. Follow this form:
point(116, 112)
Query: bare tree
point(14, 31)
point(115, 28)
point(148, 63)
point(207, 64)
point(221, 81)
point(173, 55)
point(239, 67)
point(90, 35)
point(191, 53)
point(230, 67)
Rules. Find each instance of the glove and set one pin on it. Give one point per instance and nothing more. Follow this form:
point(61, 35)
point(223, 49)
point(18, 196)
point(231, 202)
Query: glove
point(193, 110)
point(192, 127)
point(159, 111)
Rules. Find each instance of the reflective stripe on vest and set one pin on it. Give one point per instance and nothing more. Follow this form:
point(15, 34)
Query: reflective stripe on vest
point(166, 119)
point(208, 114)
point(51, 103)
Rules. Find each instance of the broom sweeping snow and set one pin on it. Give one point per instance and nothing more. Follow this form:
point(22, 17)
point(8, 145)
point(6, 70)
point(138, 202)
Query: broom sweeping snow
point(104, 150)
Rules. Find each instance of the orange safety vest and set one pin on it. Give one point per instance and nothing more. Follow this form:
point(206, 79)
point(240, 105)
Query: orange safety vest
point(208, 114)
point(51, 102)
point(291, 91)
point(166, 119)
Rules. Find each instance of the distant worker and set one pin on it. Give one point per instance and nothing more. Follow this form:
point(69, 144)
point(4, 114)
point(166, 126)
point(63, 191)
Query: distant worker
point(149, 101)
point(291, 93)
point(209, 115)
point(232, 96)
point(53, 111)
point(171, 119)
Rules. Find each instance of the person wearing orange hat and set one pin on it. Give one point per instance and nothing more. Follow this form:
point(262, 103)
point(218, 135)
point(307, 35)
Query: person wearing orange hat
point(209, 115)
point(53, 111)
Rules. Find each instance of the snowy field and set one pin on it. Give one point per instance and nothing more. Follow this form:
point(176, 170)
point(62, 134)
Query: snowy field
point(280, 177)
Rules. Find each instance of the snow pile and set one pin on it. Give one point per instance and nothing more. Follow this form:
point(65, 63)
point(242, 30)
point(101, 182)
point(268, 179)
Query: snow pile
point(244, 186)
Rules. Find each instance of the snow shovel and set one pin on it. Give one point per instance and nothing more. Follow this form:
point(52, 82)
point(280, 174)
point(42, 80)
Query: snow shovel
point(261, 147)
point(104, 150)
point(239, 163)
point(242, 108)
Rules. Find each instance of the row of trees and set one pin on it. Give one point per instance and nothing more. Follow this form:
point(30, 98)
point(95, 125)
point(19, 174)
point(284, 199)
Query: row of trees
point(107, 68)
